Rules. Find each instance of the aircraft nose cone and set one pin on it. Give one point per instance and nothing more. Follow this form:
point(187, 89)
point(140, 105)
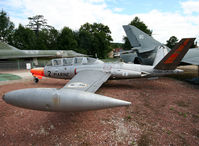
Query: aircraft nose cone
point(37, 71)
point(3, 97)
point(9, 97)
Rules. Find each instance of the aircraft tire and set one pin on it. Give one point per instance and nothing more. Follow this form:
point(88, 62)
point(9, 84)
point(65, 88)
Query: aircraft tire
point(36, 80)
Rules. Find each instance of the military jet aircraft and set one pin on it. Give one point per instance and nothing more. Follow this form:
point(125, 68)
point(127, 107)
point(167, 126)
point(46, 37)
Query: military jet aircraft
point(145, 48)
point(10, 52)
point(88, 74)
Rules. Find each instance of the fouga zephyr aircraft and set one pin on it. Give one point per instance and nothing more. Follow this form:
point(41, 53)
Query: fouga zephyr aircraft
point(88, 74)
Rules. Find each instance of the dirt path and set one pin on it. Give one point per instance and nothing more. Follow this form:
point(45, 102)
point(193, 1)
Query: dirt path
point(163, 112)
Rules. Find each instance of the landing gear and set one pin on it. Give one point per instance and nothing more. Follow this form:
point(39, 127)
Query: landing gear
point(36, 80)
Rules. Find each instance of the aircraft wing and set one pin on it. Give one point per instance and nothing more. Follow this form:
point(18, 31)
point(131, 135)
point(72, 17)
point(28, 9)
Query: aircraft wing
point(192, 56)
point(89, 80)
point(25, 56)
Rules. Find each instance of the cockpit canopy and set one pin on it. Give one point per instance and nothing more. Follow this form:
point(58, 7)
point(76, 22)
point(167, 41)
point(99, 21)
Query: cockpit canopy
point(73, 61)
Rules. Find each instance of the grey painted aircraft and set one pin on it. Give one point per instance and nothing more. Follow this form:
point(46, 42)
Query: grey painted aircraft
point(88, 74)
point(10, 52)
point(145, 48)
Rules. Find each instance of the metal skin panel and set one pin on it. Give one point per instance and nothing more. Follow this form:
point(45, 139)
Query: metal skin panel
point(173, 58)
point(117, 71)
point(86, 77)
point(138, 38)
point(10, 52)
point(64, 100)
point(60, 72)
point(149, 46)
point(192, 57)
point(88, 80)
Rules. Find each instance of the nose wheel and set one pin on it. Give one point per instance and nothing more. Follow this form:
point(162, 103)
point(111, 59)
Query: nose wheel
point(36, 80)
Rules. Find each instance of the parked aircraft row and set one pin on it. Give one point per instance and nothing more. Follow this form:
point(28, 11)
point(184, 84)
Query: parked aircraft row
point(87, 75)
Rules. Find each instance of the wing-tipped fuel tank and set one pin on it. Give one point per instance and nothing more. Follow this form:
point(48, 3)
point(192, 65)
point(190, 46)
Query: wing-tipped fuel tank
point(60, 100)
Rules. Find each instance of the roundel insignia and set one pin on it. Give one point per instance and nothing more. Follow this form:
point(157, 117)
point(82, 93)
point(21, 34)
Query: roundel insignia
point(77, 85)
point(141, 37)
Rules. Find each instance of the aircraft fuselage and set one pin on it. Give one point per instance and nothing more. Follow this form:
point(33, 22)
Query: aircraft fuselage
point(118, 71)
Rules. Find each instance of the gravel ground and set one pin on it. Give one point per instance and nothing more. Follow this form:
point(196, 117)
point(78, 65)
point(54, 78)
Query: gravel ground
point(163, 112)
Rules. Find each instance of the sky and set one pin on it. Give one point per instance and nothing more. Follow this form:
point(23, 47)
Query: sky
point(164, 17)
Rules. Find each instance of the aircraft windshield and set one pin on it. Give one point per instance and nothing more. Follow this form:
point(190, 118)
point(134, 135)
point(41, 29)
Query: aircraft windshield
point(72, 61)
point(67, 61)
point(49, 63)
point(57, 62)
point(78, 60)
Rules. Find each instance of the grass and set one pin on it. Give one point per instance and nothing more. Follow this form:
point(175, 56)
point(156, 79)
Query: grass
point(169, 132)
point(6, 77)
point(128, 118)
point(182, 114)
point(171, 108)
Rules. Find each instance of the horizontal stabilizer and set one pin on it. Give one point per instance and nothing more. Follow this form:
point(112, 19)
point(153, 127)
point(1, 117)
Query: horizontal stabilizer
point(173, 58)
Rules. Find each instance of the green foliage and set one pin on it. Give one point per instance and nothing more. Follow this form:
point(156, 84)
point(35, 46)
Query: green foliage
point(86, 42)
point(37, 23)
point(95, 39)
point(66, 39)
point(6, 27)
point(194, 45)
point(23, 38)
point(127, 44)
point(172, 42)
point(116, 45)
point(52, 39)
point(47, 39)
point(140, 25)
point(92, 39)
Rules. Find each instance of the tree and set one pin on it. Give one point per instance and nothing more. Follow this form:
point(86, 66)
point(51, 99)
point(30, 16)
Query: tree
point(172, 42)
point(52, 39)
point(66, 39)
point(46, 35)
point(6, 27)
point(127, 44)
point(140, 25)
point(95, 39)
point(47, 39)
point(23, 38)
point(85, 40)
point(37, 23)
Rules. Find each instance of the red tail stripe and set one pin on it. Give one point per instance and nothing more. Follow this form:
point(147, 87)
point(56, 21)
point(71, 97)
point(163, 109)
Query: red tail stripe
point(173, 57)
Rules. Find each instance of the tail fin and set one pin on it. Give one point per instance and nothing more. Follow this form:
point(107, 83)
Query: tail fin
point(162, 51)
point(173, 58)
point(138, 38)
